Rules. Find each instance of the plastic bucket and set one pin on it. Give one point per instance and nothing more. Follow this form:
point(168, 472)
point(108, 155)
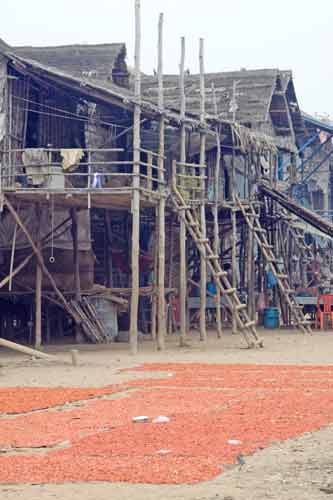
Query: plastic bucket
point(271, 317)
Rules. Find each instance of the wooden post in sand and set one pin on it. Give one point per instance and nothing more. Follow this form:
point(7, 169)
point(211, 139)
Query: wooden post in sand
point(38, 289)
point(161, 320)
point(182, 229)
point(234, 230)
point(76, 264)
point(136, 186)
point(217, 249)
point(203, 265)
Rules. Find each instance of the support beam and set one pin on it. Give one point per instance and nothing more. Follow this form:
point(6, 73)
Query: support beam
point(234, 231)
point(203, 266)
point(161, 323)
point(217, 247)
point(76, 264)
point(136, 186)
point(38, 288)
point(314, 153)
point(182, 229)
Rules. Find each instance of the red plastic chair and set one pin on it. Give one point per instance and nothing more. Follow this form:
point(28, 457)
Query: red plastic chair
point(324, 308)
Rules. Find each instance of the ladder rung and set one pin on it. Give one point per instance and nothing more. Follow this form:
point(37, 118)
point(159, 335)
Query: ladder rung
point(266, 245)
point(255, 216)
point(260, 230)
point(289, 290)
point(241, 307)
point(194, 223)
point(282, 276)
point(203, 240)
point(229, 291)
point(220, 274)
point(249, 324)
point(212, 257)
point(184, 207)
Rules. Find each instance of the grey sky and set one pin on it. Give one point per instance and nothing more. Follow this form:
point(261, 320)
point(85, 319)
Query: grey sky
point(288, 34)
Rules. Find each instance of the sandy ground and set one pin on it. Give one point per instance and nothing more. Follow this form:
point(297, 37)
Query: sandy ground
point(298, 469)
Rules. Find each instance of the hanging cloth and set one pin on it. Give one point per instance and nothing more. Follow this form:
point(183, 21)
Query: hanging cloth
point(71, 158)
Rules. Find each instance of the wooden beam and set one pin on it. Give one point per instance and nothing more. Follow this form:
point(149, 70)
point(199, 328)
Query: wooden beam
point(234, 232)
point(161, 323)
point(26, 350)
point(38, 289)
point(76, 265)
point(182, 229)
point(217, 246)
point(136, 185)
point(203, 264)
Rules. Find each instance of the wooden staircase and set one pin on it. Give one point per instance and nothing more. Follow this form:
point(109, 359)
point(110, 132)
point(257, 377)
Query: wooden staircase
point(252, 219)
point(187, 213)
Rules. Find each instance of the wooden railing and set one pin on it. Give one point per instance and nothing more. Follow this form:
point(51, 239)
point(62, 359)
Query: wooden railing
point(191, 180)
point(77, 170)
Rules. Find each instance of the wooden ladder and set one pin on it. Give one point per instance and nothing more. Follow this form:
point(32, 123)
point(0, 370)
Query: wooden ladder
point(298, 235)
point(251, 217)
point(188, 215)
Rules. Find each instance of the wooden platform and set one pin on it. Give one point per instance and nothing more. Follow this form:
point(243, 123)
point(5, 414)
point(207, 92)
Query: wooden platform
point(116, 199)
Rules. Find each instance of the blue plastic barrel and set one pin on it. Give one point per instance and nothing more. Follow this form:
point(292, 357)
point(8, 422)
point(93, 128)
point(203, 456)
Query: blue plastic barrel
point(271, 317)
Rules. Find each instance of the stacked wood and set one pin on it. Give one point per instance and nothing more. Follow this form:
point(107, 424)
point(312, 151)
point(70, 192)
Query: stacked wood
point(91, 326)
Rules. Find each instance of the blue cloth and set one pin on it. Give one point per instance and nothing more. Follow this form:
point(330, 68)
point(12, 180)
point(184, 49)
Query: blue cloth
point(271, 280)
point(211, 288)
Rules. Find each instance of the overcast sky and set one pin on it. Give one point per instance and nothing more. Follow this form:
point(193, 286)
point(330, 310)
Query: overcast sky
point(285, 34)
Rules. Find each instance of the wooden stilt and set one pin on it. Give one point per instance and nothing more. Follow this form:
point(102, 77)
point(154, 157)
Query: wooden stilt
point(12, 258)
point(161, 208)
point(76, 263)
point(182, 286)
point(155, 270)
point(136, 186)
point(182, 229)
point(234, 263)
point(203, 266)
point(217, 249)
point(250, 252)
point(234, 231)
point(38, 289)
point(48, 324)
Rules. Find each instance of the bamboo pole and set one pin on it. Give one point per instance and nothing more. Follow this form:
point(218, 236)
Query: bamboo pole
point(76, 263)
point(203, 265)
point(38, 289)
point(250, 252)
point(182, 229)
point(161, 209)
point(234, 232)
point(136, 186)
point(12, 258)
point(26, 350)
point(217, 249)
point(154, 295)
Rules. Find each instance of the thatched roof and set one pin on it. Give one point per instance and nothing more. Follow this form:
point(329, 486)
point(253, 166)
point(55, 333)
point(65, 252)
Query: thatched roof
point(107, 91)
point(253, 92)
point(100, 61)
